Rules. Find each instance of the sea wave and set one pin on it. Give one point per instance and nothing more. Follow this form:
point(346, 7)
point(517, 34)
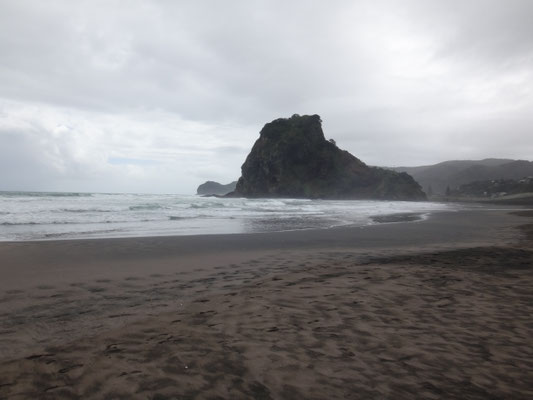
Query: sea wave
point(81, 233)
point(37, 214)
point(81, 210)
point(148, 206)
point(18, 223)
point(175, 218)
point(207, 205)
point(44, 194)
point(44, 223)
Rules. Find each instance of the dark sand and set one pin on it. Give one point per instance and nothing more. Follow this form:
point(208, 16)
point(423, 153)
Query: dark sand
point(436, 309)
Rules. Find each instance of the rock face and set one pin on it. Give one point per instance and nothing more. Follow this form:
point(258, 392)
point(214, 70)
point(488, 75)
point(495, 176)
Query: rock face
point(211, 187)
point(292, 158)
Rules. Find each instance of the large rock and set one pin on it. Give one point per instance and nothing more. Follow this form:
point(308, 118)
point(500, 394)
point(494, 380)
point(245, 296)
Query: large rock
point(215, 188)
point(292, 158)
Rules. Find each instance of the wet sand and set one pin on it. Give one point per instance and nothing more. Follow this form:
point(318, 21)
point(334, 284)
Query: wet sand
point(439, 308)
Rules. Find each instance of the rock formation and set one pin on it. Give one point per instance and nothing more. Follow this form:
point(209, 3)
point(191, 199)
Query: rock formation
point(211, 188)
point(292, 158)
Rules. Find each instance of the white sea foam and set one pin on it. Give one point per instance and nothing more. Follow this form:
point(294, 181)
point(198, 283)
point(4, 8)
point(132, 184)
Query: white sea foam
point(37, 216)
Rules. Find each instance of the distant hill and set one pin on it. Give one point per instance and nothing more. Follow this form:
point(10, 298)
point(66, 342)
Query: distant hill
point(494, 188)
point(211, 187)
point(459, 172)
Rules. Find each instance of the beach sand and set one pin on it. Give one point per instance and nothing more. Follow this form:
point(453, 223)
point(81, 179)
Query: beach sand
point(433, 309)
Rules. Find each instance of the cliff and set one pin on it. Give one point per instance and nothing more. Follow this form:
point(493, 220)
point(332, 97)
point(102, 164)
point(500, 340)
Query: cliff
point(292, 158)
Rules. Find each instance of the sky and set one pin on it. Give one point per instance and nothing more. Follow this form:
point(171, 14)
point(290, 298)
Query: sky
point(160, 96)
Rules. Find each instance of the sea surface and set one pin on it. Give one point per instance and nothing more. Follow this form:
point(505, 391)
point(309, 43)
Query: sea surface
point(41, 216)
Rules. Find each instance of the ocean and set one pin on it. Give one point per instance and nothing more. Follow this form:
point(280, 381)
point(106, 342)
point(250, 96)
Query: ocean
point(46, 216)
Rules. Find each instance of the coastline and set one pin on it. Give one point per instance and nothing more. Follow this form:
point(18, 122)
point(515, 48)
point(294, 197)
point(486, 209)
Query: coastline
point(37, 260)
point(394, 310)
point(66, 217)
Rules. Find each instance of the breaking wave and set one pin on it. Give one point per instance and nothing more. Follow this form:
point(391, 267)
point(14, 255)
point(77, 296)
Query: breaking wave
point(42, 215)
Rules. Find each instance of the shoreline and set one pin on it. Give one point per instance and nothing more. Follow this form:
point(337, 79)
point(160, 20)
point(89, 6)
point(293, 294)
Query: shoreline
point(438, 307)
point(117, 216)
point(25, 262)
point(375, 220)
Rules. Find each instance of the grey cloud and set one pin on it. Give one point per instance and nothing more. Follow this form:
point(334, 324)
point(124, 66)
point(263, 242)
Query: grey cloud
point(395, 82)
point(22, 165)
point(498, 33)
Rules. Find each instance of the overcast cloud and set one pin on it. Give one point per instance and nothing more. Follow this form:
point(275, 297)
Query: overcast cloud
point(159, 96)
